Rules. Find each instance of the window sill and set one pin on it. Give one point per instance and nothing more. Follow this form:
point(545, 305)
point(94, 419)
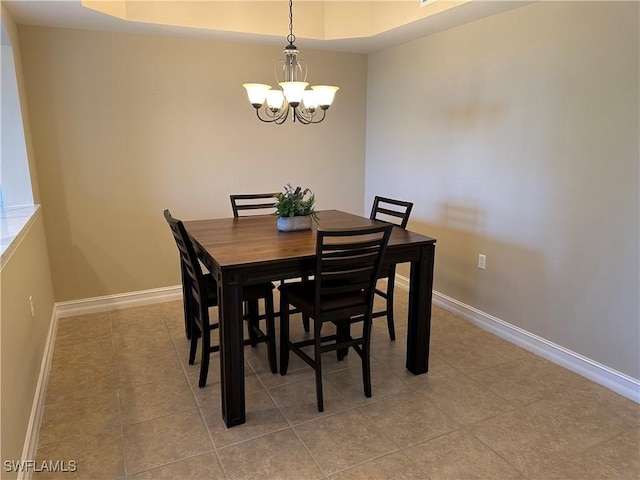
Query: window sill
point(15, 223)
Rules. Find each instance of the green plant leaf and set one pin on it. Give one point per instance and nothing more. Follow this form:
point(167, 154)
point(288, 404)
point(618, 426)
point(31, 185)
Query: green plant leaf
point(295, 202)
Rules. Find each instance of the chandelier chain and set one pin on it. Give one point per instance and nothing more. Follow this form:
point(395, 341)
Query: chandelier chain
point(291, 37)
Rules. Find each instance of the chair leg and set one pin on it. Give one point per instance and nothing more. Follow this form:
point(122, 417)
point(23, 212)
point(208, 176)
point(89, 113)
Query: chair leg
point(194, 344)
point(206, 353)
point(253, 310)
point(284, 334)
point(366, 357)
point(271, 333)
point(391, 280)
point(305, 318)
point(343, 331)
point(194, 329)
point(317, 326)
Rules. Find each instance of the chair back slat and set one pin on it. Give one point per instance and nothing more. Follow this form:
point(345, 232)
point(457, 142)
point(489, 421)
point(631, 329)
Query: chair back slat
point(253, 201)
point(348, 261)
point(344, 264)
point(390, 210)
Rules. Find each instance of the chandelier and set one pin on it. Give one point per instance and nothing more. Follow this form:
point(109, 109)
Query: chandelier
point(293, 98)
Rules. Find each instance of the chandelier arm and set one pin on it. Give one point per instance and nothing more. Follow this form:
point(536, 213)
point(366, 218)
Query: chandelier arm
point(266, 120)
point(308, 118)
point(308, 115)
point(303, 115)
point(324, 113)
point(272, 117)
point(259, 117)
point(283, 116)
point(298, 117)
point(283, 113)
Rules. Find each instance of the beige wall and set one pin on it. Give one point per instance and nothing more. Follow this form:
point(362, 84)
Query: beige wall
point(517, 136)
point(23, 338)
point(25, 273)
point(125, 126)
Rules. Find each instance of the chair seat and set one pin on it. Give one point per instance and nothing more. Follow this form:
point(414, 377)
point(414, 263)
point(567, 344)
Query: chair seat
point(302, 294)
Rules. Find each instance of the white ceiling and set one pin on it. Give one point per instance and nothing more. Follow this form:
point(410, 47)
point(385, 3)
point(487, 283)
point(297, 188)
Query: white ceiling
point(71, 14)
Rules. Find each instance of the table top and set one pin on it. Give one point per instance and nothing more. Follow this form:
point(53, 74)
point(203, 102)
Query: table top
point(238, 241)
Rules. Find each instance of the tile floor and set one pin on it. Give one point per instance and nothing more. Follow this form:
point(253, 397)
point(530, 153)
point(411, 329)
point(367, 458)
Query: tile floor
point(122, 402)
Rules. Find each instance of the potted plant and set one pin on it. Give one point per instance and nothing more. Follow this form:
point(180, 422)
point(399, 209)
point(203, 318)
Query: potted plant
point(294, 208)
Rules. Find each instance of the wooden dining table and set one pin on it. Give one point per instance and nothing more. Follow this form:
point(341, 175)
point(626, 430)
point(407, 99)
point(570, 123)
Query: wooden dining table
point(248, 250)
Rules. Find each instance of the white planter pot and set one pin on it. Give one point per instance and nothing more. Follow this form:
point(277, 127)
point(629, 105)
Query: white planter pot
point(294, 224)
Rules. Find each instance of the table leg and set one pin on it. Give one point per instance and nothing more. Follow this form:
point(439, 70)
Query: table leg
point(419, 325)
point(231, 349)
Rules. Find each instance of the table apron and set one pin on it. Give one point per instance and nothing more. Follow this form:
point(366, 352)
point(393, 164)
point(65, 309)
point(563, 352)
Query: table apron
point(403, 254)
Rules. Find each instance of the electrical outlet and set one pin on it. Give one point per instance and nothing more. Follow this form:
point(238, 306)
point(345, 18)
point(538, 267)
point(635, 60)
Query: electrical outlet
point(482, 261)
point(32, 307)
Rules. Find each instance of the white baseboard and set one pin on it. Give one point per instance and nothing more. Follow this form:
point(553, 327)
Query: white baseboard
point(67, 309)
point(37, 409)
point(594, 371)
point(118, 301)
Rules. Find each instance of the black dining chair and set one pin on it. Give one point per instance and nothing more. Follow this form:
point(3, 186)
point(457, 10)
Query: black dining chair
point(201, 293)
point(396, 212)
point(347, 266)
point(259, 202)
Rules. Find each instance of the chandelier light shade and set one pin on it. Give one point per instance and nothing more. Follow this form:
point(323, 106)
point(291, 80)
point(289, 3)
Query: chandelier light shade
point(293, 99)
